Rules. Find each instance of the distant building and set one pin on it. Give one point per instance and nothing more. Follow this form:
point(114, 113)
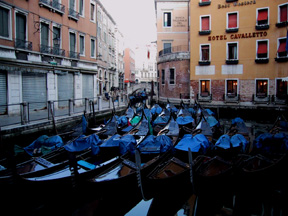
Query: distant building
point(238, 52)
point(53, 50)
point(146, 63)
point(129, 67)
point(119, 55)
point(173, 60)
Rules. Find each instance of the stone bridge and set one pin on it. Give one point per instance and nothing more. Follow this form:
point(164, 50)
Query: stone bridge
point(141, 86)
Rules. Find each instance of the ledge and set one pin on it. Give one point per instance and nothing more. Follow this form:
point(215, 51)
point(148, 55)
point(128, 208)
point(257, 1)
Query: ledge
point(232, 30)
point(262, 27)
point(204, 3)
point(233, 61)
point(207, 32)
point(262, 61)
point(281, 59)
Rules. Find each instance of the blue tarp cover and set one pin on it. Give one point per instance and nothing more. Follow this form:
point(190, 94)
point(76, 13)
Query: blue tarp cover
point(53, 142)
point(156, 109)
point(83, 143)
point(268, 142)
point(183, 120)
point(237, 120)
point(211, 120)
point(225, 142)
point(197, 143)
point(155, 144)
point(161, 120)
point(173, 128)
point(124, 143)
point(84, 124)
point(121, 121)
point(129, 112)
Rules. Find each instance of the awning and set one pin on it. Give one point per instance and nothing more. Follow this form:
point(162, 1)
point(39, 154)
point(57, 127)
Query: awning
point(285, 79)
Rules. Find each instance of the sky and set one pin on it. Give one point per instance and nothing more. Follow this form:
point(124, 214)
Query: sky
point(134, 18)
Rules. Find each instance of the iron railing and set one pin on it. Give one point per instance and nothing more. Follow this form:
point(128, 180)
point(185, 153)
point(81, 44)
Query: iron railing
point(22, 44)
point(53, 4)
point(52, 50)
point(175, 49)
point(73, 14)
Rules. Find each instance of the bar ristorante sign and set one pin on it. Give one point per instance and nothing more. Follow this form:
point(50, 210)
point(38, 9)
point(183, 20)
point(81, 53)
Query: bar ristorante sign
point(238, 36)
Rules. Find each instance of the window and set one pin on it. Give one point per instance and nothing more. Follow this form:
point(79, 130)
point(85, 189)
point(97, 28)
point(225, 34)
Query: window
point(163, 77)
point(167, 48)
point(21, 30)
point(205, 52)
point(232, 53)
point(92, 12)
point(56, 36)
point(81, 8)
point(262, 49)
point(172, 76)
point(205, 23)
point(205, 88)
point(204, 2)
point(281, 52)
point(167, 19)
point(5, 22)
point(232, 22)
point(231, 88)
point(44, 47)
point(93, 48)
point(72, 45)
point(281, 89)
point(82, 45)
point(262, 16)
point(261, 88)
point(283, 13)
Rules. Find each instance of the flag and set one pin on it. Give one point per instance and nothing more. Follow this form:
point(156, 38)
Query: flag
point(148, 54)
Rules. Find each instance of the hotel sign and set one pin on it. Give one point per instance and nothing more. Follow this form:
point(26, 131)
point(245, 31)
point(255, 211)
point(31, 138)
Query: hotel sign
point(238, 36)
point(236, 4)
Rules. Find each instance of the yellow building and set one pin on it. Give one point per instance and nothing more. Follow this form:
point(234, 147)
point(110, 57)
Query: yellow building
point(237, 51)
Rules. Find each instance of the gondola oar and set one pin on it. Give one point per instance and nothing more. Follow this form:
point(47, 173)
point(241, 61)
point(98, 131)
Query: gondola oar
point(191, 167)
point(138, 166)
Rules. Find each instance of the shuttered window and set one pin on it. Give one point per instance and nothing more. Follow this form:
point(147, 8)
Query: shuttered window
point(232, 20)
point(262, 18)
point(3, 92)
point(21, 29)
point(44, 34)
point(34, 90)
point(283, 13)
point(262, 51)
point(65, 84)
point(72, 42)
point(282, 48)
point(205, 23)
point(4, 22)
point(87, 86)
point(205, 56)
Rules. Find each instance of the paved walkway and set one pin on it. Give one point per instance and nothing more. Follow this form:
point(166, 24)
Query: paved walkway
point(15, 120)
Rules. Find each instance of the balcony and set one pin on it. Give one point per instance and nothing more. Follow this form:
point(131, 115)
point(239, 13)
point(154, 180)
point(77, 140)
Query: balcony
point(261, 98)
point(174, 53)
point(231, 98)
point(73, 14)
point(181, 48)
point(22, 44)
point(280, 99)
point(52, 50)
point(53, 5)
point(74, 55)
point(204, 97)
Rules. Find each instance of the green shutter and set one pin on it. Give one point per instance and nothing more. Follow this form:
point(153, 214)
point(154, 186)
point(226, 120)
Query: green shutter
point(4, 22)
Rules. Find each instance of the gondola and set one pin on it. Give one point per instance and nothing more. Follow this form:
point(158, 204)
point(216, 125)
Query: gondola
point(123, 175)
point(58, 159)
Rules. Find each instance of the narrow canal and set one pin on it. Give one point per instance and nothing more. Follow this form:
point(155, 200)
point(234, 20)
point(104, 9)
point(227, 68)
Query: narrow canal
point(265, 199)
